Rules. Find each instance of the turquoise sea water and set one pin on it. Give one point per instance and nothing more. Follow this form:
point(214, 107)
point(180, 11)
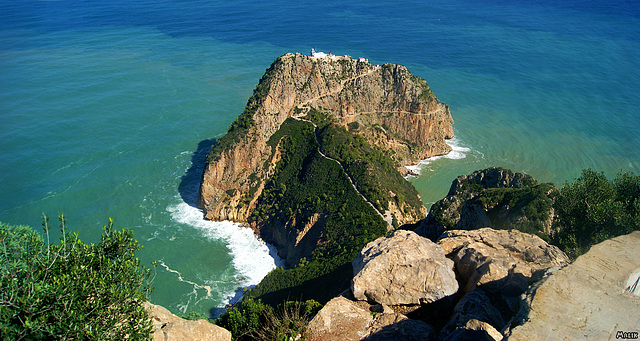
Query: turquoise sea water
point(107, 108)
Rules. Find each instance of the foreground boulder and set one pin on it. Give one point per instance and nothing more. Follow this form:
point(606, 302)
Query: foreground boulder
point(346, 320)
point(169, 327)
point(403, 269)
point(500, 259)
point(593, 298)
point(473, 310)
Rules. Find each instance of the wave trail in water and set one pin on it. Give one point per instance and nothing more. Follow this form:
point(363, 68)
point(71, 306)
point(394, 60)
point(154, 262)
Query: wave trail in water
point(457, 152)
point(253, 259)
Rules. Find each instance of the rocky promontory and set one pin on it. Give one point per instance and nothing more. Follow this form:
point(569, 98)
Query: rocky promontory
point(387, 105)
point(315, 163)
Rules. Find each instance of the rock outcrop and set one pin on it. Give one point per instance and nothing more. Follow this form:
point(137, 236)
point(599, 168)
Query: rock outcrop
point(347, 320)
point(500, 260)
point(475, 308)
point(503, 263)
point(403, 269)
point(391, 108)
point(493, 197)
point(169, 327)
point(589, 299)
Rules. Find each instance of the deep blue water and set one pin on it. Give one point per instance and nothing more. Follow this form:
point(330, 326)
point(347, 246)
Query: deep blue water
point(107, 107)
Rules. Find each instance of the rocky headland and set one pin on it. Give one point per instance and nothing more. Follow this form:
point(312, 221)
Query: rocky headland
point(387, 105)
point(315, 163)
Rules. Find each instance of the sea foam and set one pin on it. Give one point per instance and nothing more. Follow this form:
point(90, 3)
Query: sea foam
point(457, 152)
point(253, 259)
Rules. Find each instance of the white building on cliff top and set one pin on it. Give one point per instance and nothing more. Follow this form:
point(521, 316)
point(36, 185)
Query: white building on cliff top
point(315, 54)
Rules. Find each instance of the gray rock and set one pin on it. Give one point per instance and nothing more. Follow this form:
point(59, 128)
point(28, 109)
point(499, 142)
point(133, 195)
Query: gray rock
point(500, 260)
point(493, 197)
point(398, 327)
point(403, 269)
point(590, 298)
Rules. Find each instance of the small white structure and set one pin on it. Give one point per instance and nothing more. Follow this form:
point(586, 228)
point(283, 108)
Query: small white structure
point(315, 54)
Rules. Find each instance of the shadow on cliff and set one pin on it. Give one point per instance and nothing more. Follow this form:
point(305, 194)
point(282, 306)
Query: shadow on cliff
point(190, 182)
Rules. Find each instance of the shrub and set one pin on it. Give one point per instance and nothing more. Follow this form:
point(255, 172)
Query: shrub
point(593, 209)
point(72, 290)
point(253, 320)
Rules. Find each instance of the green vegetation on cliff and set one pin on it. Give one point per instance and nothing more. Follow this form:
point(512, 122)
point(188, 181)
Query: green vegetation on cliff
point(373, 171)
point(253, 320)
point(311, 199)
point(307, 185)
point(593, 209)
point(579, 214)
point(71, 290)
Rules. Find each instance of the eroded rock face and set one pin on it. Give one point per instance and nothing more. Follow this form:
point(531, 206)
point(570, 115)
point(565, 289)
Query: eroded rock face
point(504, 261)
point(394, 109)
point(588, 299)
point(403, 269)
point(169, 327)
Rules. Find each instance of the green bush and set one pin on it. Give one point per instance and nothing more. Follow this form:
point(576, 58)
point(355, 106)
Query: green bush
point(72, 290)
point(593, 209)
point(253, 320)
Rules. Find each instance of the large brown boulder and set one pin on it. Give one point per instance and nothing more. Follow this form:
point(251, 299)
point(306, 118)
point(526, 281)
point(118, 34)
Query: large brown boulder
point(403, 269)
point(592, 298)
point(500, 260)
point(339, 319)
point(169, 327)
point(346, 320)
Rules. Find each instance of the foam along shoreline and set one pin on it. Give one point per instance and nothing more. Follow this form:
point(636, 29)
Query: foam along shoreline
point(253, 259)
point(457, 152)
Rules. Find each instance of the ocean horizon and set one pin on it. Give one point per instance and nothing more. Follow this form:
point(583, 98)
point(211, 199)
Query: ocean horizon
point(108, 109)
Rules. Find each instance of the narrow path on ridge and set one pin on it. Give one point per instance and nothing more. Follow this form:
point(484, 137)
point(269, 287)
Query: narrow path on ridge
point(389, 219)
point(299, 117)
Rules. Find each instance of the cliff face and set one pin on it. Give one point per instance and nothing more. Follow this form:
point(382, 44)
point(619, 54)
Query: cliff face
point(386, 105)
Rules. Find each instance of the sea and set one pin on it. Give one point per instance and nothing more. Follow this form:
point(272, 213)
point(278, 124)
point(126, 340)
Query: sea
point(108, 108)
